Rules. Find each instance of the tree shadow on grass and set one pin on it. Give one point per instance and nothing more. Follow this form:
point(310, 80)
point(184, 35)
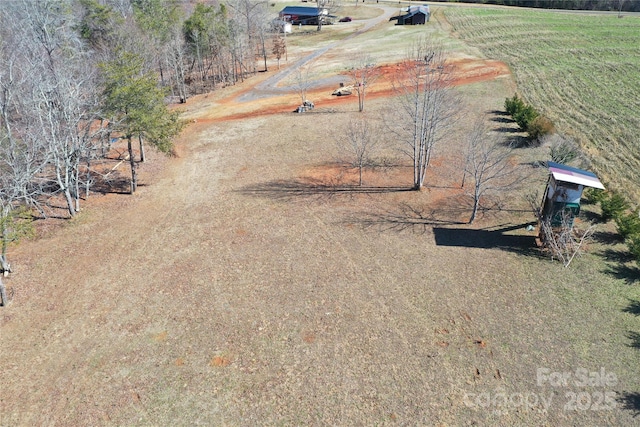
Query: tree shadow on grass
point(506, 129)
point(630, 402)
point(52, 211)
point(289, 189)
point(406, 217)
point(633, 307)
point(607, 237)
point(629, 273)
point(421, 220)
point(635, 339)
point(590, 216)
point(503, 119)
point(113, 185)
point(488, 239)
point(618, 256)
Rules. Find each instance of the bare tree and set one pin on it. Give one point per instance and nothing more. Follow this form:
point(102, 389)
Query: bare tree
point(557, 235)
point(564, 242)
point(620, 4)
point(19, 162)
point(279, 47)
point(252, 16)
point(16, 222)
point(359, 143)
point(175, 57)
point(302, 82)
point(328, 6)
point(5, 269)
point(363, 74)
point(22, 158)
point(426, 104)
point(63, 100)
point(562, 149)
point(487, 164)
point(48, 101)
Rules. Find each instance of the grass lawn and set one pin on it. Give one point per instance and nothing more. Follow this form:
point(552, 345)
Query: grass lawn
point(249, 281)
point(581, 70)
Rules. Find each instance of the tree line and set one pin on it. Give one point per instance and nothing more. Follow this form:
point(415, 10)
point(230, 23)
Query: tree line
point(599, 5)
point(79, 75)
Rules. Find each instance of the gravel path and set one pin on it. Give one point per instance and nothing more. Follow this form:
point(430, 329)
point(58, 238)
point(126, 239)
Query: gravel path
point(272, 86)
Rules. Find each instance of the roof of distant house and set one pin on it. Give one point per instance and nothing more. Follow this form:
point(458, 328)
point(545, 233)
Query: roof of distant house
point(412, 10)
point(300, 10)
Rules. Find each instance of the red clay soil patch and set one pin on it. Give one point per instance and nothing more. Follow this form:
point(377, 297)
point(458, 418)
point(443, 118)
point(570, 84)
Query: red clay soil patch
point(465, 71)
point(342, 174)
point(220, 361)
point(309, 337)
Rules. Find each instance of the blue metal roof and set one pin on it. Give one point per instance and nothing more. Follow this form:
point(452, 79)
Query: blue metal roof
point(551, 164)
point(566, 173)
point(300, 10)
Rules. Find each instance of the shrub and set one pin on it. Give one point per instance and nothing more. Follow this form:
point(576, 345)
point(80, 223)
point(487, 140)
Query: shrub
point(525, 116)
point(628, 224)
point(563, 151)
point(539, 127)
point(513, 105)
point(634, 248)
point(612, 206)
point(594, 195)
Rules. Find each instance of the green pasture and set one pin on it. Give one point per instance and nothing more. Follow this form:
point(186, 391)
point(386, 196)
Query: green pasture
point(581, 70)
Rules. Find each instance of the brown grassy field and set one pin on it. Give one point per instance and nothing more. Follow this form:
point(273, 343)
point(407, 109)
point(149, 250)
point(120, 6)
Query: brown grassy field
point(250, 282)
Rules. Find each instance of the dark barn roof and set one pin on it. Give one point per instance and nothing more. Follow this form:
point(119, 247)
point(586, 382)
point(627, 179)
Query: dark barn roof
point(302, 14)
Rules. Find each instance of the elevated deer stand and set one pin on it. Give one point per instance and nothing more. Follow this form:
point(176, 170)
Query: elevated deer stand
point(561, 202)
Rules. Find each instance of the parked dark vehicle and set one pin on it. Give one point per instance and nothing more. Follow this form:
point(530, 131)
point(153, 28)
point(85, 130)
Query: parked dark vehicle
point(345, 19)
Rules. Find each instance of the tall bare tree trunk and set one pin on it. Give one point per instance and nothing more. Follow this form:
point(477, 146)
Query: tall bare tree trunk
point(4, 270)
point(476, 205)
point(132, 162)
point(142, 156)
point(63, 182)
point(3, 293)
point(264, 51)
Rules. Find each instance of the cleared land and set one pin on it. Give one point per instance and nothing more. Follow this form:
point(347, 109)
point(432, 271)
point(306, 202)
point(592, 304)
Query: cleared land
point(581, 70)
point(248, 282)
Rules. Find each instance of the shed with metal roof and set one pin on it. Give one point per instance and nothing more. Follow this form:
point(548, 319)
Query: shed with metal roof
point(564, 191)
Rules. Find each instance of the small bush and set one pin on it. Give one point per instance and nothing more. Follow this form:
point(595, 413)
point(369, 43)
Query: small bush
point(564, 151)
point(612, 206)
point(634, 248)
point(628, 224)
point(594, 196)
point(513, 105)
point(525, 117)
point(539, 127)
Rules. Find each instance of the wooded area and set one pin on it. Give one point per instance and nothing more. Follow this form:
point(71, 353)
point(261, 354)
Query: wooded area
point(78, 75)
